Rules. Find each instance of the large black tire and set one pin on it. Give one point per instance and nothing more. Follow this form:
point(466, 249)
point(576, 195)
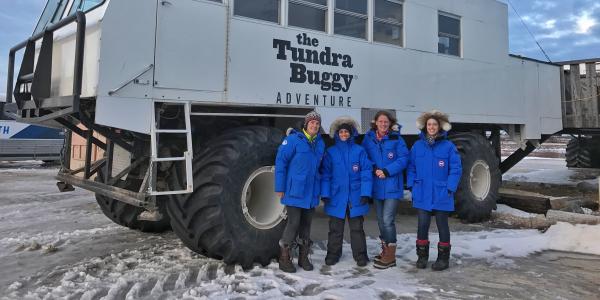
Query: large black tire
point(210, 220)
point(127, 215)
point(583, 153)
point(476, 199)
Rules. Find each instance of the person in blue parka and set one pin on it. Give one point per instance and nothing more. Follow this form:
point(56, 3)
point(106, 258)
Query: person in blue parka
point(298, 184)
point(389, 154)
point(346, 189)
point(433, 176)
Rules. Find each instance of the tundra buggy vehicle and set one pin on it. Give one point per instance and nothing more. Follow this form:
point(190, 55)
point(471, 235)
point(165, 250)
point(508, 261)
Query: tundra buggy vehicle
point(193, 98)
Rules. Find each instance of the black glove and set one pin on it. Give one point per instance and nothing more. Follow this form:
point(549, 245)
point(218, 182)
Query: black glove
point(325, 199)
point(365, 200)
point(386, 172)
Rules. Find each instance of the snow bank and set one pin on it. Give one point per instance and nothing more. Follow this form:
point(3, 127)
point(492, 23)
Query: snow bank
point(574, 238)
point(519, 243)
point(505, 209)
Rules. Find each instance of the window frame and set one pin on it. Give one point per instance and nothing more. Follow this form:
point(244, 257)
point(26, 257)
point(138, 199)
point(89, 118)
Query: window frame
point(324, 8)
point(366, 17)
point(449, 35)
point(389, 22)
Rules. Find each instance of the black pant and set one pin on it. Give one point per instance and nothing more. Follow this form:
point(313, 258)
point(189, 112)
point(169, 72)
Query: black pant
point(298, 224)
point(441, 219)
point(358, 241)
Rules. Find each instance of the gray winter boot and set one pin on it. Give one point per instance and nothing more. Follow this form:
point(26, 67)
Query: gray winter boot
point(303, 253)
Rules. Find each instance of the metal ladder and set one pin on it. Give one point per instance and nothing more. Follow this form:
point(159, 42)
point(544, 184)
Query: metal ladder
point(155, 131)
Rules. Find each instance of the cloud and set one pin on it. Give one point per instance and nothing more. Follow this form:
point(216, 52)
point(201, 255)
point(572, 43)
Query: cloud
point(545, 5)
point(567, 30)
point(584, 23)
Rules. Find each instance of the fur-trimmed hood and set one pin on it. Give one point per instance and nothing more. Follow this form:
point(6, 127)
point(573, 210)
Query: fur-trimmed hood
point(441, 117)
point(335, 125)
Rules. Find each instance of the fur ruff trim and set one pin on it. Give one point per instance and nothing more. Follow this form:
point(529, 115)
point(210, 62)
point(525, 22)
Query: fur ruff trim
point(436, 114)
point(342, 120)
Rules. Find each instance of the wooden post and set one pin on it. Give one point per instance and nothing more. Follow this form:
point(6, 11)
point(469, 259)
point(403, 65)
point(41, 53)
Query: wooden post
point(563, 97)
point(575, 84)
point(591, 94)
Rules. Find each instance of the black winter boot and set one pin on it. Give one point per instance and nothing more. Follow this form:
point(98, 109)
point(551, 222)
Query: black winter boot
point(441, 263)
point(423, 254)
point(331, 260)
point(285, 259)
point(303, 260)
point(362, 260)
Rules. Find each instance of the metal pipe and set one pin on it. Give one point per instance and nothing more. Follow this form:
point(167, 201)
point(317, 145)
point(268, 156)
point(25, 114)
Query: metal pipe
point(124, 84)
point(88, 154)
point(79, 47)
point(120, 194)
point(11, 74)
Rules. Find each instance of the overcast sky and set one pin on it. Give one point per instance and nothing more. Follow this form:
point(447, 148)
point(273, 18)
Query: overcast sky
point(566, 29)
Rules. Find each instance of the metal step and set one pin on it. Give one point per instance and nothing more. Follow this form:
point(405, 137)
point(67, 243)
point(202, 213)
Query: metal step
point(155, 158)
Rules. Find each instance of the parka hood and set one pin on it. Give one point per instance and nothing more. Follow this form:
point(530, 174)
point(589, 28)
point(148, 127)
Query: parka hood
point(335, 125)
point(436, 114)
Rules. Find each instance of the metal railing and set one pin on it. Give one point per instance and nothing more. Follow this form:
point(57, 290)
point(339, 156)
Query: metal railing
point(79, 18)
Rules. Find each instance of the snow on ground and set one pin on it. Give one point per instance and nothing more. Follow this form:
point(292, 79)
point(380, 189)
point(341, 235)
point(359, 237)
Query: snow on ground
point(21, 165)
point(505, 209)
point(162, 266)
point(60, 246)
point(550, 171)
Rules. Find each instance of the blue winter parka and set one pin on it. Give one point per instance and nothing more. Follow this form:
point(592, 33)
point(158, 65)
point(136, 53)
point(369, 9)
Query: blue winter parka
point(390, 155)
point(297, 170)
point(434, 173)
point(347, 176)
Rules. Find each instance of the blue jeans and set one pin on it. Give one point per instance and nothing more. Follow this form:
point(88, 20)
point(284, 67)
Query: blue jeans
point(441, 220)
point(386, 219)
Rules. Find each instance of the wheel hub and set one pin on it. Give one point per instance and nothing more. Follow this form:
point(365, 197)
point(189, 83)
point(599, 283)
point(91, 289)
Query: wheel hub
point(260, 205)
point(480, 179)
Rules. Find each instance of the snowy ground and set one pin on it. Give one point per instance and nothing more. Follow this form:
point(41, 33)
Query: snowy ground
point(60, 246)
point(550, 171)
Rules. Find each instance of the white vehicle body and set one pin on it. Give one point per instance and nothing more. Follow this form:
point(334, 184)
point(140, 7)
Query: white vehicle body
point(199, 51)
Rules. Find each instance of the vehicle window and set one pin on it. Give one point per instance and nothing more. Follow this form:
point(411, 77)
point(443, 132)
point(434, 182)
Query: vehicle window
point(47, 15)
point(55, 9)
point(59, 10)
point(449, 35)
point(84, 5)
point(351, 18)
point(311, 14)
point(266, 10)
point(387, 22)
